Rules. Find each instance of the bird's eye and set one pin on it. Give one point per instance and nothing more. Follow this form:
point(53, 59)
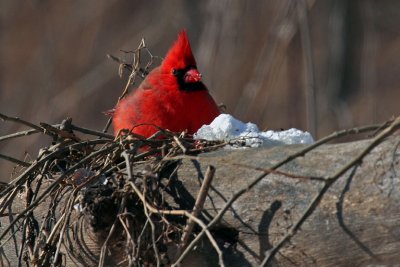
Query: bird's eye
point(174, 72)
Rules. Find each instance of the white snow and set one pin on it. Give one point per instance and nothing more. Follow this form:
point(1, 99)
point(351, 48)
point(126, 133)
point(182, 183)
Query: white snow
point(239, 134)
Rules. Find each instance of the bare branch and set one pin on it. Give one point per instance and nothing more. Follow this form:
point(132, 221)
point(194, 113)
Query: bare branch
point(14, 160)
point(198, 206)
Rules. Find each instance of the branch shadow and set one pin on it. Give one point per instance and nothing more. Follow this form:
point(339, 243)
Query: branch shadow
point(339, 215)
point(176, 189)
point(265, 222)
point(200, 178)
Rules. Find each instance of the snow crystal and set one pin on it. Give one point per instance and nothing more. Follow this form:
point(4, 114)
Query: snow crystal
point(226, 127)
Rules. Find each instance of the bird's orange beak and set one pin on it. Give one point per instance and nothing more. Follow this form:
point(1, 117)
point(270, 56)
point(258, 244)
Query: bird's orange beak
point(192, 76)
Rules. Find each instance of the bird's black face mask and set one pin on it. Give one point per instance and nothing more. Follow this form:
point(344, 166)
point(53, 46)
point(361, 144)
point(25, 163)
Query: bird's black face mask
point(189, 79)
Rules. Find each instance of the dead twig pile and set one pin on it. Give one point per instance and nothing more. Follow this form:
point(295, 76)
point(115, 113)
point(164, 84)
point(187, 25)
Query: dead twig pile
point(95, 178)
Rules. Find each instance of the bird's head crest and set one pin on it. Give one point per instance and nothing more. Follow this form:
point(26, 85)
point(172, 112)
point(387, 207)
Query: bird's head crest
point(180, 55)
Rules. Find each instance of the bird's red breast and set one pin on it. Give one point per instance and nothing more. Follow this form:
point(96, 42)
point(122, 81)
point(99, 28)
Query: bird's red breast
point(171, 97)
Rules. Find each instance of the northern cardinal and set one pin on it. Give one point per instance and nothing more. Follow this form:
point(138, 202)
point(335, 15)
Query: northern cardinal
point(172, 97)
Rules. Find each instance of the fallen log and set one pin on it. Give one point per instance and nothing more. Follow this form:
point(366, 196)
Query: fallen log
point(356, 222)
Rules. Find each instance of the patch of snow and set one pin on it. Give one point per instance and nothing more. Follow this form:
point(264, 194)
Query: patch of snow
point(239, 134)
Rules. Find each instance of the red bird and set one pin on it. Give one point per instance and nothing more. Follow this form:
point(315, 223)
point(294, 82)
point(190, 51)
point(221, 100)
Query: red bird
point(171, 97)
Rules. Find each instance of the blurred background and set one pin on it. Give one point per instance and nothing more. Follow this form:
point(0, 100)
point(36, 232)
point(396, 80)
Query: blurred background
point(317, 65)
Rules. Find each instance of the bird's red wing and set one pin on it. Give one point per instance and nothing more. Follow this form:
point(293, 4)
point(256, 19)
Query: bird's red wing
point(143, 111)
point(130, 115)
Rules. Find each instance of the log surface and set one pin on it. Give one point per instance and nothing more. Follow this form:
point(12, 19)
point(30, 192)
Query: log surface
point(356, 224)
